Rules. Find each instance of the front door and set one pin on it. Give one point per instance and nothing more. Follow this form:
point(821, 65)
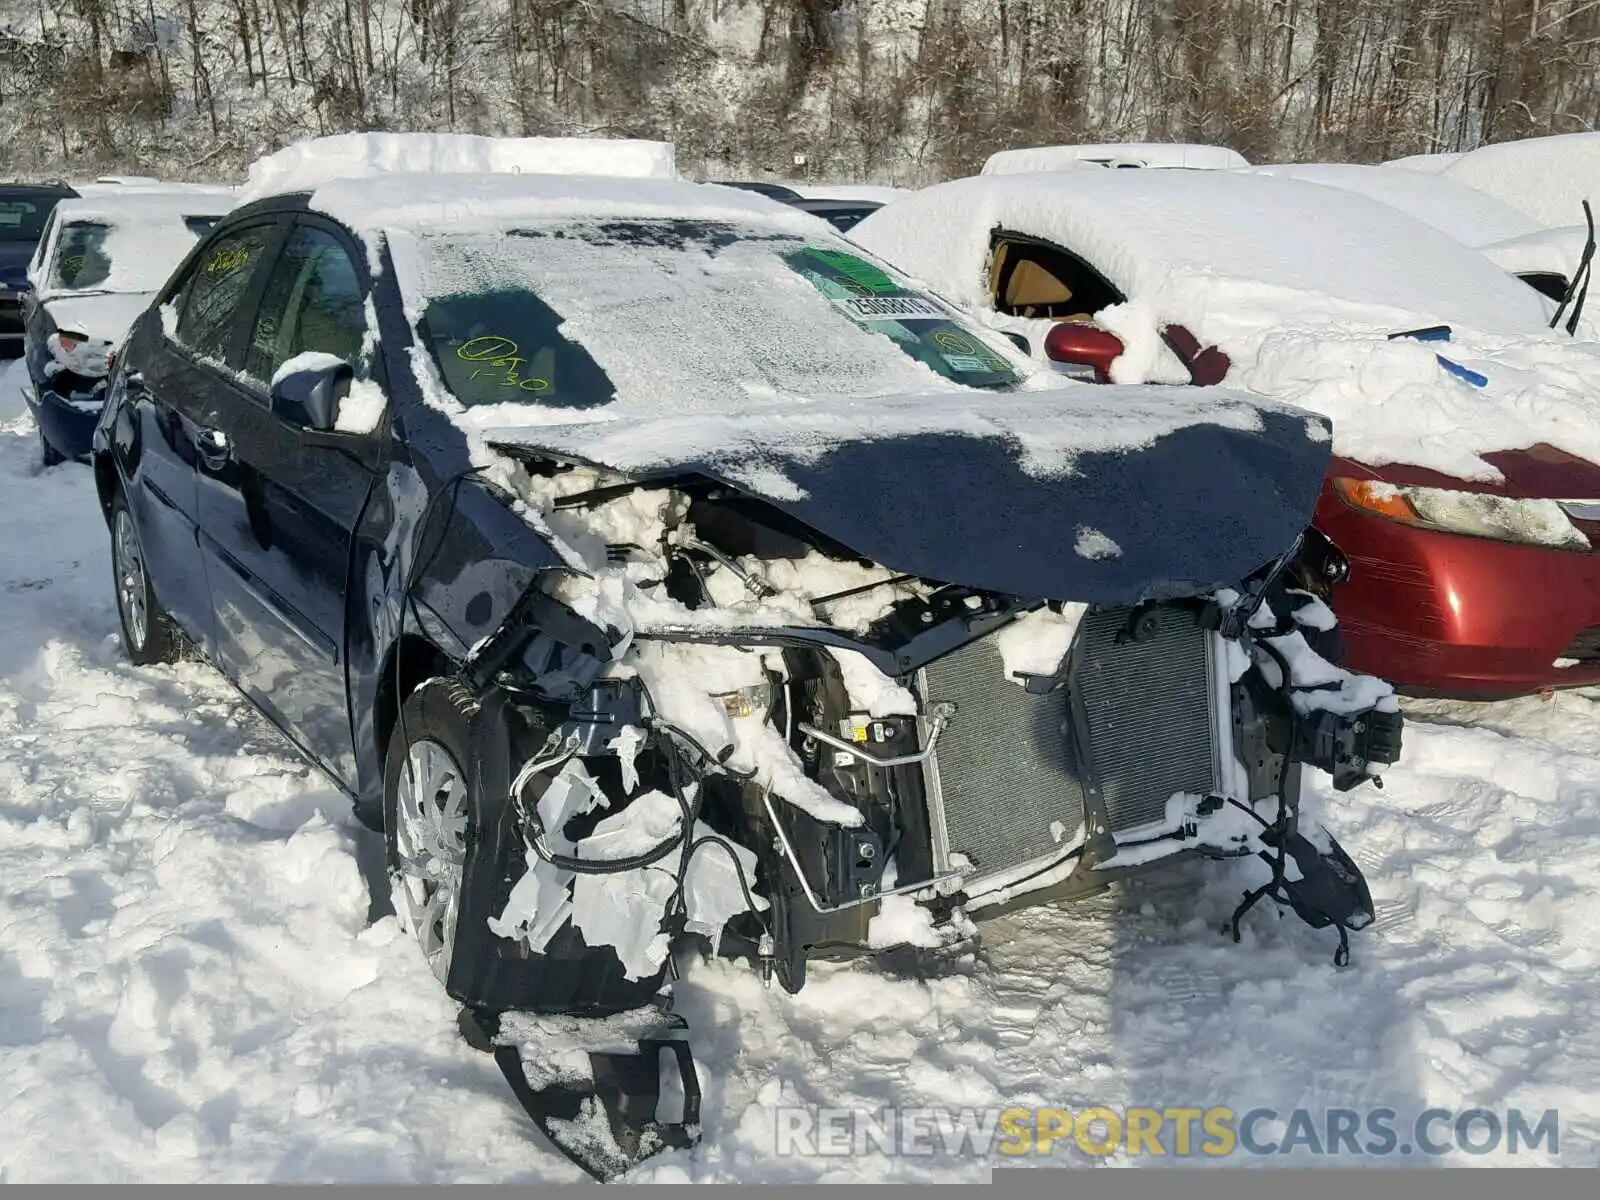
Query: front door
point(175, 376)
point(280, 503)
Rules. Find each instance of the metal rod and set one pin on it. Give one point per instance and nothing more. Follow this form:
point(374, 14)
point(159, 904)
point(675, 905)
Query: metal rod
point(941, 718)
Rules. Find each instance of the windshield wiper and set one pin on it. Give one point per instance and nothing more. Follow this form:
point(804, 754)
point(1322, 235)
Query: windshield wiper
point(1581, 275)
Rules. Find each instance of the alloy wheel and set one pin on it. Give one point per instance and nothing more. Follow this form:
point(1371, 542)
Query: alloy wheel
point(431, 837)
point(131, 585)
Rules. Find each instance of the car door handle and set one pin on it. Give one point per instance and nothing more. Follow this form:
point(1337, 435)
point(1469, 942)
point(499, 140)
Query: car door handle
point(215, 448)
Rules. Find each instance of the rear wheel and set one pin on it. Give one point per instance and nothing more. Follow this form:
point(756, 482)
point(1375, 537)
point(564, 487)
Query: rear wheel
point(148, 635)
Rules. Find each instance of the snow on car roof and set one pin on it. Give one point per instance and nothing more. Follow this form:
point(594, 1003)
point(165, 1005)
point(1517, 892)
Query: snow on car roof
point(487, 202)
point(1302, 286)
point(1430, 164)
point(315, 161)
point(1140, 154)
point(1466, 214)
point(1151, 231)
point(1546, 177)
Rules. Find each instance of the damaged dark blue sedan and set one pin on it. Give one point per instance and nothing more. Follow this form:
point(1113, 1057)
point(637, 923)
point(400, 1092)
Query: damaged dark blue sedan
point(652, 565)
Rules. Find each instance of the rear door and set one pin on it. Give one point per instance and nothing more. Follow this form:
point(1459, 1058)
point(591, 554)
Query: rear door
point(177, 365)
point(280, 503)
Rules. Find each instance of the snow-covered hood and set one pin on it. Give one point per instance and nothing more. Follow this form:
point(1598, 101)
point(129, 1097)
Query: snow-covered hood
point(105, 316)
point(1078, 493)
point(1302, 286)
point(1466, 214)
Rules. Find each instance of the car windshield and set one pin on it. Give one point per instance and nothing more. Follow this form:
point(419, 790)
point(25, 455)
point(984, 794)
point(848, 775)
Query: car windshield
point(675, 315)
point(22, 219)
point(103, 255)
point(81, 257)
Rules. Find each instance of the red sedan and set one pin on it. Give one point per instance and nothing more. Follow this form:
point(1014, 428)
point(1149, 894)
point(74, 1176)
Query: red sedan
point(1458, 593)
point(1438, 369)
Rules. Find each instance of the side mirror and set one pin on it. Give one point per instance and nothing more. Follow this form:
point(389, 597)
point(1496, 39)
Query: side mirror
point(308, 393)
point(1083, 346)
point(1207, 366)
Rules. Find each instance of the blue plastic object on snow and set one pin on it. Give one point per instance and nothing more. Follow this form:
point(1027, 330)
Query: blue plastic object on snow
point(1441, 333)
point(1433, 333)
point(1467, 373)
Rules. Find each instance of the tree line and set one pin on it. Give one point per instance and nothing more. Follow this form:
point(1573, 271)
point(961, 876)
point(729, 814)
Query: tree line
point(891, 91)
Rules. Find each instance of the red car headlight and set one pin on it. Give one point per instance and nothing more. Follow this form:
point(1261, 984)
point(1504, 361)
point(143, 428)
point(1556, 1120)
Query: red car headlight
point(1474, 514)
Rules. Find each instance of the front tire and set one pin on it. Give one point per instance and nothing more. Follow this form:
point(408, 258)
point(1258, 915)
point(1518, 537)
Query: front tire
point(428, 811)
point(148, 635)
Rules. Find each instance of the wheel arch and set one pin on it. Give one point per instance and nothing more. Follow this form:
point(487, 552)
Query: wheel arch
point(106, 481)
point(410, 661)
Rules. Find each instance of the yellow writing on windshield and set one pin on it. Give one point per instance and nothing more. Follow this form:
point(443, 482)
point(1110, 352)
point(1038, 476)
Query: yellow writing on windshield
point(228, 259)
point(500, 357)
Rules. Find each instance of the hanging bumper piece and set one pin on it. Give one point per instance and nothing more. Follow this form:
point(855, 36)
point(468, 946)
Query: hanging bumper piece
point(609, 1123)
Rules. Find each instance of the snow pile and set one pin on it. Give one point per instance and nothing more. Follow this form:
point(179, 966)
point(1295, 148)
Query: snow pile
point(1466, 214)
point(1302, 286)
point(308, 163)
point(1548, 178)
point(1116, 155)
point(1428, 164)
point(1037, 642)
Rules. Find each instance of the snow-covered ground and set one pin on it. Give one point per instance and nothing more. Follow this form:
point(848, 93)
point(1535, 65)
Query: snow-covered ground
point(194, 964)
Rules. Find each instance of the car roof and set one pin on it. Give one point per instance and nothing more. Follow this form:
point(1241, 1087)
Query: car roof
point(420, 202)
point(35, 189)
point(1226, 233)
point(776, 190)
point(828, 204)
point(143, 206)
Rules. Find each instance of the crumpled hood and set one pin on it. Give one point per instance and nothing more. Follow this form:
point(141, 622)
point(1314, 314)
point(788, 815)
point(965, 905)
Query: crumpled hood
point(1095, 494)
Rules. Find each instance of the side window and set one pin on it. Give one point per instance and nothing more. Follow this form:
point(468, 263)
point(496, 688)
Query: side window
point(312, 304)
point(209, 304)
point(1026, 280)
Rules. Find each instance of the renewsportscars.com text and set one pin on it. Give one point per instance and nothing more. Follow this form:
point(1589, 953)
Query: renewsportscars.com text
point(1180, 1132)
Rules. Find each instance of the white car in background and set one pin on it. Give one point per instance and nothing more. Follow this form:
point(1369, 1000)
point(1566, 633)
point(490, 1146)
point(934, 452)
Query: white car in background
point(1115, 154)
point(1548, 178)
point(101, 259)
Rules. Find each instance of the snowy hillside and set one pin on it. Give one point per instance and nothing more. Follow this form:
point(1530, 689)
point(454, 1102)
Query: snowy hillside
point(194, 965)
point(882, 91)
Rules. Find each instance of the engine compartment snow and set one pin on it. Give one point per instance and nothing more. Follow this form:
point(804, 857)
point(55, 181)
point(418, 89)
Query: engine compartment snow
point(197, 960)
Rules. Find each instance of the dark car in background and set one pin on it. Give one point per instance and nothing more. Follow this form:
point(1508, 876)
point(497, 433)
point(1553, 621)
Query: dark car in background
point(843, 213)
point(25, 209)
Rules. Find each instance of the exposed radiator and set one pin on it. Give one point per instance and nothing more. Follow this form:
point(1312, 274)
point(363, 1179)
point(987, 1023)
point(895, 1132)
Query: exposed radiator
point(1005, 788)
